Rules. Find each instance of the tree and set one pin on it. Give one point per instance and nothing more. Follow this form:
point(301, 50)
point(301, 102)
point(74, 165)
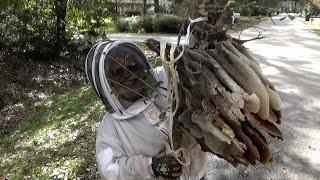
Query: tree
point(144, 7)
point(61, 13)
point(156, 6)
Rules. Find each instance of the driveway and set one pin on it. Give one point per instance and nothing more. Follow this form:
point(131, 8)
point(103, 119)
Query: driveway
point(290, 58)
point(170, 38)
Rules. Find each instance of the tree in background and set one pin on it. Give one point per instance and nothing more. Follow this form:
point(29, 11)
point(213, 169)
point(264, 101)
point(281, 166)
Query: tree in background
point(61, 13)
point(317, 3)
point(40, 28)
point(156, 6)
point(144, 7)
point(314, 6)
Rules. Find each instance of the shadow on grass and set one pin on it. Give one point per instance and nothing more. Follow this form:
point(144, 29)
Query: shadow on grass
point(57, 141)
point(317, 31)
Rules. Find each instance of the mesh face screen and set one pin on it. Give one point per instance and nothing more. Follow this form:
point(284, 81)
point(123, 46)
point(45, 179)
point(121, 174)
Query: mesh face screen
point(124, 51)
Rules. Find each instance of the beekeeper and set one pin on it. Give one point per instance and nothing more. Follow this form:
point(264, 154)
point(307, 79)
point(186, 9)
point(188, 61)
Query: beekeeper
point(130, 139)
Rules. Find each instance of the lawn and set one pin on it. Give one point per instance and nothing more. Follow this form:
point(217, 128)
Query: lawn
point(57, 140)
point(110, 26)
point(315, 27)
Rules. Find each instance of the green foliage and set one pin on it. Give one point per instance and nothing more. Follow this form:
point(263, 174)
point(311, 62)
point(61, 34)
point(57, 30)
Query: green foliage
point(31, 26)
point(261, 7)
point(162, 23)
point(88, 16)
point(315, 27)
point(128, 24)
point(22, 21)
point(146, 23)
point(166, 23)
point(86, 41)
point(311, 7)
point(133, 13)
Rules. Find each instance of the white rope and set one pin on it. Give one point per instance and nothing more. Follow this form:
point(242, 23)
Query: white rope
point(181, 154)
point(192, 21)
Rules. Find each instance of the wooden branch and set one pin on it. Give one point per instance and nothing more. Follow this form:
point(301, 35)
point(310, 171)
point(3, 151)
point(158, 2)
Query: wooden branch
point(259, 36)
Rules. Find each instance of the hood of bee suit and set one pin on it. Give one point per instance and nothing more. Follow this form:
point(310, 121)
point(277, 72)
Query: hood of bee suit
point(96, 67)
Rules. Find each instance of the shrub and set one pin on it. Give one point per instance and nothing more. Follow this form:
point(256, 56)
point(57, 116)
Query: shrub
point(128, 24)
point(132, 13)
point(146, 23)
point(166, 23)
point(162, 23)
point(122, 25)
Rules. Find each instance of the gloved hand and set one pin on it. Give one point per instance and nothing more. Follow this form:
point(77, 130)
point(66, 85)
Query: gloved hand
point(166, 166)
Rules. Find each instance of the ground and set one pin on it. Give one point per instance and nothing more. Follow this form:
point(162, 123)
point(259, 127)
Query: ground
point(48, 127)
point(48, 120)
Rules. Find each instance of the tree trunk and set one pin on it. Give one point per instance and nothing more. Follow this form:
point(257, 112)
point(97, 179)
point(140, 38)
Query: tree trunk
point(144, 7)
point(61, 13)
point(156, 6)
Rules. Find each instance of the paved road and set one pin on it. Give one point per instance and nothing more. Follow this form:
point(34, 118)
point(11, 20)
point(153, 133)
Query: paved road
point(291, 60)
point(170, 38)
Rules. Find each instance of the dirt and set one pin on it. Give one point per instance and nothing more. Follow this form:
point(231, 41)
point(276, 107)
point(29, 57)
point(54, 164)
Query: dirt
point(23, 81)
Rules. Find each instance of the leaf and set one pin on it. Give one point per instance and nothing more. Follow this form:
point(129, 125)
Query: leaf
point(82, 47)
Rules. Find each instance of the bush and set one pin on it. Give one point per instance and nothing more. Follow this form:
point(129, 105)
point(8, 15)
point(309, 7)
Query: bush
point(162, 23)
point(122, 25)
point(132, 13)
point(166, 23)
point(128, 24)
point(27, 25)
point(146, 23)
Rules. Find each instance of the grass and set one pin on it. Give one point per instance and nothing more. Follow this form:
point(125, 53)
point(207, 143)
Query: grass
point(315, 27)
point(58, 139)
point(110, 26)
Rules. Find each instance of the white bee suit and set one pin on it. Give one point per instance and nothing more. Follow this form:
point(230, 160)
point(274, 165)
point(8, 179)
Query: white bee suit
point(126, 144)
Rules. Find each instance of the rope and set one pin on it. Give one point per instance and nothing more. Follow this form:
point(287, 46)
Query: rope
point(192, 21)
point(181, 154)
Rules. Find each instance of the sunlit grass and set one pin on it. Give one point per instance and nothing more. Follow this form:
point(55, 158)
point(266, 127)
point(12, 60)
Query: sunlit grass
point(57, 141)
point(110, 25)
point(315, 27)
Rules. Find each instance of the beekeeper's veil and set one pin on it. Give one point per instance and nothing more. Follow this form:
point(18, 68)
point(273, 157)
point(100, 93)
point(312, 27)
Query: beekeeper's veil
point(96, 67)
